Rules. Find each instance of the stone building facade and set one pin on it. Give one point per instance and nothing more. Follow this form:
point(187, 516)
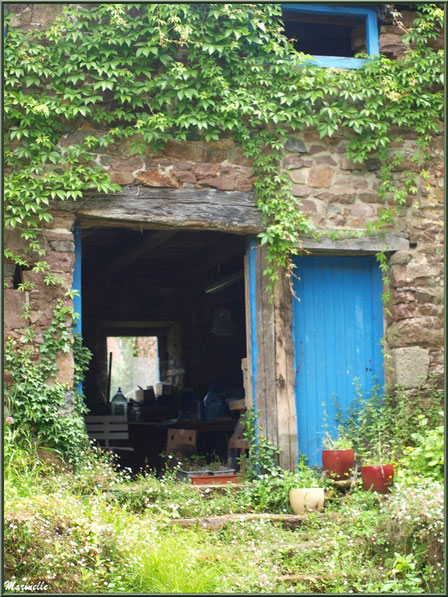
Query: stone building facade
point(335, 193)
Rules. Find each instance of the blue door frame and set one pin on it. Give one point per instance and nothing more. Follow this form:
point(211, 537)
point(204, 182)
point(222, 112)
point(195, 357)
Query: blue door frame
point(252, 250)
point(337, 333)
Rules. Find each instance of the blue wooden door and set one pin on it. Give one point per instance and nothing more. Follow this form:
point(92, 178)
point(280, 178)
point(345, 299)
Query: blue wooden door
point(337, 333)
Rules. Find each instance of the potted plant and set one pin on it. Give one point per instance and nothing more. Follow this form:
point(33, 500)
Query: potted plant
point(338, 456)
point(192, 467)
point(377, 477)
point(309, 496)
point(217, 473)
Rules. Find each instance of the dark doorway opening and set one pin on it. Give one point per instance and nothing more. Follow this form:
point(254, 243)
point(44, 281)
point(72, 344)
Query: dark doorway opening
point(185, 290)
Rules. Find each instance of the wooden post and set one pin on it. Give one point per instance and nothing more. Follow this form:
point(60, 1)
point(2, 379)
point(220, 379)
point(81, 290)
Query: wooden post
point(284, 372)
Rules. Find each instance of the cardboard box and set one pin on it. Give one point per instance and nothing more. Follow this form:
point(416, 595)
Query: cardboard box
point(180, 437)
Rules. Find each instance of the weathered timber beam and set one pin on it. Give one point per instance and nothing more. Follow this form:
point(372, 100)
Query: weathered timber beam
point(139, 207)
point(291, 521)
point(366, 244)
point(147, 244)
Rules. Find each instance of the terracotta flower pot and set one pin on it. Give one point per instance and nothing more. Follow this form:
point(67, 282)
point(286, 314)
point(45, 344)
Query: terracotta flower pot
point(305, 500)
point(377, 478)
point(213, 479)
point(337, 463)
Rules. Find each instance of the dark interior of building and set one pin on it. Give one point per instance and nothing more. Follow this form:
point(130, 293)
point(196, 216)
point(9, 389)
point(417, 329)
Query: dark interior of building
point(321, 35)
point(186, 288)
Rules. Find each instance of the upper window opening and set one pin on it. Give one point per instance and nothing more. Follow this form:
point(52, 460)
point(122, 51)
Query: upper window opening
point(325, 35)
point(332, 34)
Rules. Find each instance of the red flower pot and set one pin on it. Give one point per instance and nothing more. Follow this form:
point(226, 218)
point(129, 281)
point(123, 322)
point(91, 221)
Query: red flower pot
point(213, 479)
point(377, 478)
point(337, 463)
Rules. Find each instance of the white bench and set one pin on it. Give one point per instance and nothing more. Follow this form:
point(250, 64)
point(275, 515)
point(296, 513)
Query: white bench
point(107, 429)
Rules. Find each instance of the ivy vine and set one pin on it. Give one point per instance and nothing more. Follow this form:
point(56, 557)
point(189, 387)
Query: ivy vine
point(150, 73)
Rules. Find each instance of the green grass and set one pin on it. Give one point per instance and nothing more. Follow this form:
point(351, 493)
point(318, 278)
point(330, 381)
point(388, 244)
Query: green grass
point(93, 530)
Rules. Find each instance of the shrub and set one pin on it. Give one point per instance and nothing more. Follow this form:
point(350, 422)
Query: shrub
point(271, 492)
point(426, 457)
point(262, 454)
point(415, 524)
point(381, 424)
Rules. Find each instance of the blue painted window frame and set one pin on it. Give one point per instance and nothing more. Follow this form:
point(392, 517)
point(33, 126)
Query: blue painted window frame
point(372, 40)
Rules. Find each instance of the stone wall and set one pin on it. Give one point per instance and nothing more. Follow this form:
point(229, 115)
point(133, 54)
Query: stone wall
point(57, 240)
point(335, 193)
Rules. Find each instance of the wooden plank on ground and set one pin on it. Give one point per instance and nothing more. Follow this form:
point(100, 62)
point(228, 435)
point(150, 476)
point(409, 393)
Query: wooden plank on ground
point(291, 521)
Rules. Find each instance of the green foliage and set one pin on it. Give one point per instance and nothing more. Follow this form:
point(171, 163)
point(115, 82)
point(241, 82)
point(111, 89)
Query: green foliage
point(271, 492)
point(36, 401)
point(414, 526)
point(381, 425)
point(163, 72)
point(22, 466)
point(341, 441)
point(426, 457)
point(262, 454)
point(99, 531)
point(81, 357)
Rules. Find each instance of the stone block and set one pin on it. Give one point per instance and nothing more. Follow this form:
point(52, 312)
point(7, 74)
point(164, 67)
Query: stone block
point(205, 169)
point(338, 195)
point(298, 176)
point(308, 205)
point(364, 211)
point(326, 160)
point(154, 178)
point(66, 367)
point(45, 14)
point(400, 258)
point(295, 145)
point(245, 185)
point(186, 150)
point(320, 177)
point(183, 166)
point(222, 183)
point(62, 246)
point(14, 301)
point(127, 165)
point(369, 198)
point(185, 176)
point(292, 161)
point(122, 177)
point(13, 240)
point(299, 190)
point(410, 366)
point(421, 331)
point(317, 149)
point(417, 269)
point(347, 164)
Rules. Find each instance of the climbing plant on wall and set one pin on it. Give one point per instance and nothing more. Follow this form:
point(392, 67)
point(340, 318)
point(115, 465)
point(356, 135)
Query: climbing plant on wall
point(148, 73)
point(144, 74)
